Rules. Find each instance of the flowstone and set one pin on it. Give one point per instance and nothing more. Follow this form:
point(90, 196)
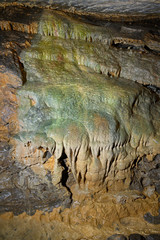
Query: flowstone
point(87, 111)
point(76, 103)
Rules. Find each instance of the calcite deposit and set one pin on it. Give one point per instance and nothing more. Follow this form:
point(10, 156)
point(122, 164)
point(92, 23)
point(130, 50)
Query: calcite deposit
point(79, 121)
point(77, 102)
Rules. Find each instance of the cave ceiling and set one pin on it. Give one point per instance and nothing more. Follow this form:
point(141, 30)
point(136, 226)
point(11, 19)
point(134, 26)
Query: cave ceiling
point(101, 6)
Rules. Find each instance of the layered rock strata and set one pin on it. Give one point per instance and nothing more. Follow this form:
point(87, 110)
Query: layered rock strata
point(93, 6)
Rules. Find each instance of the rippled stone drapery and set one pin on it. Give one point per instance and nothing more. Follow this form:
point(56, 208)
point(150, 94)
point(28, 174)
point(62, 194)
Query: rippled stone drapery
point(77, 102)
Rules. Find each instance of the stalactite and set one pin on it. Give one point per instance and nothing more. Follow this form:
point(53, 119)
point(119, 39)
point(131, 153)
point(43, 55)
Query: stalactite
point(99, 120)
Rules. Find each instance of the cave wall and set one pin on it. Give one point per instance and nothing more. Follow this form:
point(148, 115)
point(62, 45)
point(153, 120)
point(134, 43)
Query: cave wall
point(80, 112)
point(77, 102)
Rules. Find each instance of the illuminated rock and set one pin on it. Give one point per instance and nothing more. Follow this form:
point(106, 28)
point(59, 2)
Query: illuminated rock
point(76, 102)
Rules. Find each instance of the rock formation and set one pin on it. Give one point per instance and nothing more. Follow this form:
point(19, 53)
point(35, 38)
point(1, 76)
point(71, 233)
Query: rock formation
point(80, 116)
point(77, 102)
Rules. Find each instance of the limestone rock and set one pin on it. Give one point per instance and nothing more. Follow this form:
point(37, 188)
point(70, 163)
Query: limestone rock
point(87, 113)
point(21, 187)
point(76, 103)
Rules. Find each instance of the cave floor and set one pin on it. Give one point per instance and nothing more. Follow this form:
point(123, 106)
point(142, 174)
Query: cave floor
point(90, 217)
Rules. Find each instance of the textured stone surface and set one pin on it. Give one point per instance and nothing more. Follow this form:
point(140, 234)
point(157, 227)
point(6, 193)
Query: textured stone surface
point(21, 187)
point(129, 6)
point(83, 111)
point(152, 219)
point(97, 215)
point(117, 237)
point(75, 50)
point(146, 174)
point(153, 237)
point(136, 237)
point(76, 102)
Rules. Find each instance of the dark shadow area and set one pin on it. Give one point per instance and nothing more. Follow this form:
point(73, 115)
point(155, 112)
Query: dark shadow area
point(65, 173)
point(143, 49)
point(20, 65)
point(153, 88)
point(152, 219)
point(134, 236)
point(125, 46)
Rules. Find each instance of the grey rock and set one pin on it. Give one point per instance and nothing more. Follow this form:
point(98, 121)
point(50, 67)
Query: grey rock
point(147, 174)
point(136, 237)
point(149, 191)
point(4, 195)
point(157, 188)
point(152, 219)
point(117, 237)
point(146, 182)
point(155, 174)
point(153, 237)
